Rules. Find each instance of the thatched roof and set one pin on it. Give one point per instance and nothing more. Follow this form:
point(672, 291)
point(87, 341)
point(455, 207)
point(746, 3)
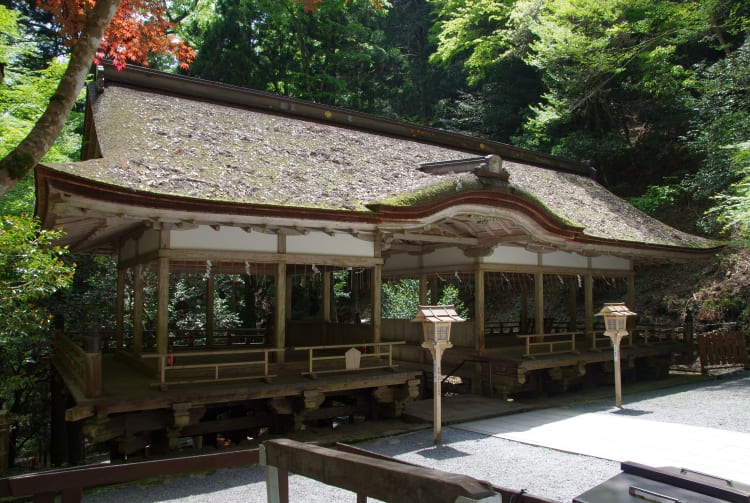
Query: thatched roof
point(301, 155)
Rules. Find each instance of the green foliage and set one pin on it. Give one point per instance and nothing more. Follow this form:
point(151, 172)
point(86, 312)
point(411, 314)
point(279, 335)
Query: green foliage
point(616, 73)
point(451, 295)
point(332, 56)
point(400, 299)
point(656, 197)
point(31, 269)
point(733, 207)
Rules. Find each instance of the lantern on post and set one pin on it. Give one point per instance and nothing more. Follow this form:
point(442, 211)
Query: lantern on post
point(615, 316)
point(436, 330)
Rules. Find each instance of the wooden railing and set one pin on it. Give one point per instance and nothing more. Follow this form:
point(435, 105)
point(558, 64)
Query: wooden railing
point(85, 368)
point(69, 483)
point(374, 476)
point(560, 342)
point(377, 353)
point(170, 362)
point(347, 467)
point(222, 338)
point(600, 341)
point(657, 333)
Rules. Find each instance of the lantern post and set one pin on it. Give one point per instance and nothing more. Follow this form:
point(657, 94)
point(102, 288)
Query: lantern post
point(615, 316)
point(436, 330)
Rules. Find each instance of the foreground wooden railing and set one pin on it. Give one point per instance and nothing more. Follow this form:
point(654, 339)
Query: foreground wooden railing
point(368, 474)
point(549, 344)
point(45, 487)
point(377, 353)
point(363, 472)
point(85, 368)
point(169, 362)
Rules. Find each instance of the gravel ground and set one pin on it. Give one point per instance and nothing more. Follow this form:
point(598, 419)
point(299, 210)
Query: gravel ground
point(722, 403)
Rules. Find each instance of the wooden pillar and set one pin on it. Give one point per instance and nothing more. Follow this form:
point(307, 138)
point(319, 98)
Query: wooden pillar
point(327, 295)
point(435, 288)
point(162, 307)
point(138, 310)
point(280, 309)
point(120, 310)
point(210, 317)
point(479, 309)
point(523, 323)
point(58, 404)
point(377, 303)
point(572, 304)
point(539, 302)
point(630, 302)
point(588, 295)
point(423, 287)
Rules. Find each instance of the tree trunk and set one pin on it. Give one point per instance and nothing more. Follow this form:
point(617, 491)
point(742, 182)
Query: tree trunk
point(29, 152)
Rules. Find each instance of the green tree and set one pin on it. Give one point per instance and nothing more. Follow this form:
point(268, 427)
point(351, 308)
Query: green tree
point(487, 39)
point(615, 74)
point(335, 56)
point(31, 269)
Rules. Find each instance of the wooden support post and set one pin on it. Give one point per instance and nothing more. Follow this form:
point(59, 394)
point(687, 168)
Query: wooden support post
point(327, 295)
point(539, 302)
point(479, 312)
point(588, 295)
point(572, 304)
point(377, 305)
point(210, 309)
point(120, 310)
point(630, 302)
point(423, 287)
point(138, 310)
point(280, 311)
point(162, 307)
point(435, 290)
point(523, 323)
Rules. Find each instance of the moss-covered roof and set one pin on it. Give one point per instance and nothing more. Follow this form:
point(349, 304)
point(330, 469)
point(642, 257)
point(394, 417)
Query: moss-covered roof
point(177, 146)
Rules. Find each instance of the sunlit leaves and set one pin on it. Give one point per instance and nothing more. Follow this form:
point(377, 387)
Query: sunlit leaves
point(140, 30)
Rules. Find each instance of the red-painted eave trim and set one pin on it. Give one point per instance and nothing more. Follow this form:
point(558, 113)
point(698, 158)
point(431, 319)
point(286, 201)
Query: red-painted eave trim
point(46, 178)
point(64, 182)
point(492, 199)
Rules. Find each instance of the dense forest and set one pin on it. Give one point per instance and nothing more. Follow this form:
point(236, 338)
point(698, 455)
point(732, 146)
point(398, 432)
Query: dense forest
point(651, 93)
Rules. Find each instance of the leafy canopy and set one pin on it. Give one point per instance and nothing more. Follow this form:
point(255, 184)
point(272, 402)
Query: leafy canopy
point(139, 30)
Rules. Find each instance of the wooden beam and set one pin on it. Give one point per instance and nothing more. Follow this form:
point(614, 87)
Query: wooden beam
point(588, 295)
point(539, 302)
point(479, 313)
point(138, 309)
point(120, 310)
point(210, 309)
point(380, 479)
point(280, 312)
point(377, 290)
point(162, 307)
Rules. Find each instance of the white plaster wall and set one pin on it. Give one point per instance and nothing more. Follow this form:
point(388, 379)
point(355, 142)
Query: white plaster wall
point(610, 263)
point(401, 261)
point(564, 259)
point(225, 239)
point(511, 255)
point(446, 257)
point(128, 249)
point(149, 242)
point(320, 243)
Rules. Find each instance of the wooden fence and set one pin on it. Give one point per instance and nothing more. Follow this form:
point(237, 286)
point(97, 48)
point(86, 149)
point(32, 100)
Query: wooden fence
point(722, 349)
point(362, 472)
